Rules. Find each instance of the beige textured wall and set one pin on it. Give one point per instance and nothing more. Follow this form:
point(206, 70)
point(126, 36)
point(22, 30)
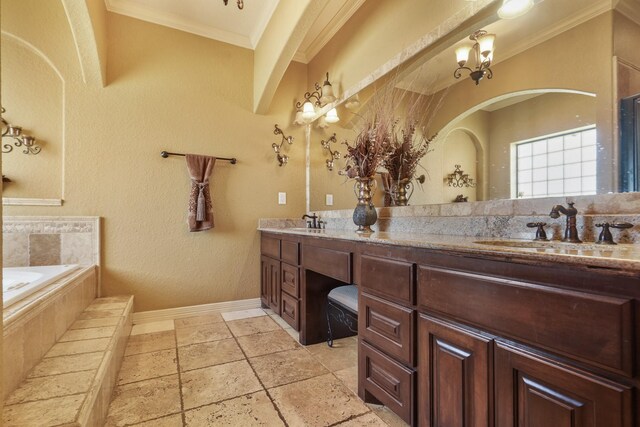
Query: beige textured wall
point(32, 93)
point(377, 32)
point(168, 90)
point(539, 116)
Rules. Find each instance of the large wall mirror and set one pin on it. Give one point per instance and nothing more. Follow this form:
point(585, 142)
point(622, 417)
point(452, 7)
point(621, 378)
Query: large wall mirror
point(546, 124)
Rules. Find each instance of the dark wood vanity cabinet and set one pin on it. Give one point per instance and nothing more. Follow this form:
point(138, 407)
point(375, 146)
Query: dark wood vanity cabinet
point(455, 339)
point(280, 279)
point(455, 378)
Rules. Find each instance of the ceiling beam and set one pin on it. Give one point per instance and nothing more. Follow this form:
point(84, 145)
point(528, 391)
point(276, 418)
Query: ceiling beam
point(290, 23)
point(87, 19)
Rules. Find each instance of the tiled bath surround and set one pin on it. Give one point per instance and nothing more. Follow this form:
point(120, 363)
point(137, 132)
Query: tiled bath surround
point(30, 240)
point(495, 218)
point(32, 326)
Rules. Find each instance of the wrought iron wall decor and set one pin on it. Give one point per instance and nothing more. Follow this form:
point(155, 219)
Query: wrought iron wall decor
point(20, 139)
point(459, 179)
point(483, 50)
point(282, 158)
point(334, 154)
point(239, 2)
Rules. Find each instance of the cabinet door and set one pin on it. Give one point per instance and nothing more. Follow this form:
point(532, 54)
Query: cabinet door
point(265, 280)
point(274, 282)
point(454, 375)
point(534, 392)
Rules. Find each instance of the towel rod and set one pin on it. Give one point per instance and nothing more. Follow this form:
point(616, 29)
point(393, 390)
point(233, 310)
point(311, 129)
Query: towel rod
point(166, 154)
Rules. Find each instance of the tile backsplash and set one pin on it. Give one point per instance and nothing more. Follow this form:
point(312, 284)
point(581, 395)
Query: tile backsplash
point(50, 240)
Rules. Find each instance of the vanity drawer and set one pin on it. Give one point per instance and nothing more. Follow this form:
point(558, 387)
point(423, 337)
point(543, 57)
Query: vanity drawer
point(290, 280)
point(387, 277)
point(290, 310)
point(270, 246)
point(593, 328)
point(329, 262)
point(290, 252)
point(387, 326)
point(386, 380)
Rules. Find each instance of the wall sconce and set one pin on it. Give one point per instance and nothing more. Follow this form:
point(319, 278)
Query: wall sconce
point(352, 103)
point(334, 154)
point(19, 139)
point(282, 158)
point(459, 179)
point(483, 49)
point(240, 3)
point(323, 95)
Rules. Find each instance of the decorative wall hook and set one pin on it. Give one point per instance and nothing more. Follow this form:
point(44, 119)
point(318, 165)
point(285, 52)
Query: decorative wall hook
point(19, 139)
point(459, 179)
point(282, 158)
point(334, 154)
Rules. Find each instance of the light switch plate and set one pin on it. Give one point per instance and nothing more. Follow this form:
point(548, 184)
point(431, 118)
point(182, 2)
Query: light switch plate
point(328, 200)
point(282, 198)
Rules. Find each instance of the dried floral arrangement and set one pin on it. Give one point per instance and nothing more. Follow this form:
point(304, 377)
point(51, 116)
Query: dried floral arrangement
point(409, 139)
point(384, 140)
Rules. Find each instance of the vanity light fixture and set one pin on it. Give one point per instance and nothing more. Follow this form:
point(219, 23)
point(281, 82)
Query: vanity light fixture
point(513, 8)
point(483, 49)
point(322, 95)
point(19, 139)
point(240, 3)
point(332, 116)
point(282, 158)
point(459, 179)
point(334, 154)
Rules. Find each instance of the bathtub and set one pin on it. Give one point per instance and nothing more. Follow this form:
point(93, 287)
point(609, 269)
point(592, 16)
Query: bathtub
point(20, 282)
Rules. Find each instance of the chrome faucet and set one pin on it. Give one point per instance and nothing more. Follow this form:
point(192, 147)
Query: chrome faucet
point(311, 224)
point(570, 231)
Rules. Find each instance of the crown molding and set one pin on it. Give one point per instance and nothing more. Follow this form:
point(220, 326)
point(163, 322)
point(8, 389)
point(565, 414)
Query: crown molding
point(261, 26)
point(179, 23)
point(630, 9)
point(340, 18)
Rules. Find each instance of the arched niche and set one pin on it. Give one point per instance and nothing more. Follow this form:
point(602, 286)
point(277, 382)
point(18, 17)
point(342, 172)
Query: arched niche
point(33, 96)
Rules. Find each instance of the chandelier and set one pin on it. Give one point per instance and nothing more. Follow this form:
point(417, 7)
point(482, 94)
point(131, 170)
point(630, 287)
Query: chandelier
point(19, 139)
point(240, 3)
point(483, 49)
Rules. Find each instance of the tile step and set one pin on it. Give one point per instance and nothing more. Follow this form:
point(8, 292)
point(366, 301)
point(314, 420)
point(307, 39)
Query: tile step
point(72, 384)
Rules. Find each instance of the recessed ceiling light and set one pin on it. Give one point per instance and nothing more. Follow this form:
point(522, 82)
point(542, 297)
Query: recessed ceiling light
point(514, 8)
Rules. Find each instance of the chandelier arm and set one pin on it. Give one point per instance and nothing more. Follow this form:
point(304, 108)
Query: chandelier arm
point(7, 148)
point(458, 72)
point(488, 73)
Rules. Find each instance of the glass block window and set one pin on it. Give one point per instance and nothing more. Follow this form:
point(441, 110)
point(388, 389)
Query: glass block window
point(556, 165)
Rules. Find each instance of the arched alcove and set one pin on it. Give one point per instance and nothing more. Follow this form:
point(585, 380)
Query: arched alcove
point(33, 96)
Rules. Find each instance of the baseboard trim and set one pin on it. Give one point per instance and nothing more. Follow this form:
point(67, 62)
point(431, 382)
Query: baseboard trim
point(194, 310)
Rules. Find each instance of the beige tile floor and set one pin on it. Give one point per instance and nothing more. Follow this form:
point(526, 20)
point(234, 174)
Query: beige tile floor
point(243, 369)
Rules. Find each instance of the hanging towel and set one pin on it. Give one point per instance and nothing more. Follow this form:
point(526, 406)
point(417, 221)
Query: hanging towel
point(200, 212)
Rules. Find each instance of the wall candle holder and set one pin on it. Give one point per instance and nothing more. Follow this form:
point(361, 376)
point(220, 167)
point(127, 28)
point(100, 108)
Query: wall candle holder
point(334, 154)
point(19, 139)
point(459, 179)
point(282, 158)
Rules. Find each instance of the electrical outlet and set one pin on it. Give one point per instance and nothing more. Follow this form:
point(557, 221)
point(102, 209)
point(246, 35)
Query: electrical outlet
point(328, 200)
point(282, 198)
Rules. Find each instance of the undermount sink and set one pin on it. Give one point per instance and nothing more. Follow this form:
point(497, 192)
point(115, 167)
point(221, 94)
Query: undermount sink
point(554, 244)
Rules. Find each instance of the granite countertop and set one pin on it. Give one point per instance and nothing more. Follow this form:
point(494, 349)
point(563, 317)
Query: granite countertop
point(624, 257)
